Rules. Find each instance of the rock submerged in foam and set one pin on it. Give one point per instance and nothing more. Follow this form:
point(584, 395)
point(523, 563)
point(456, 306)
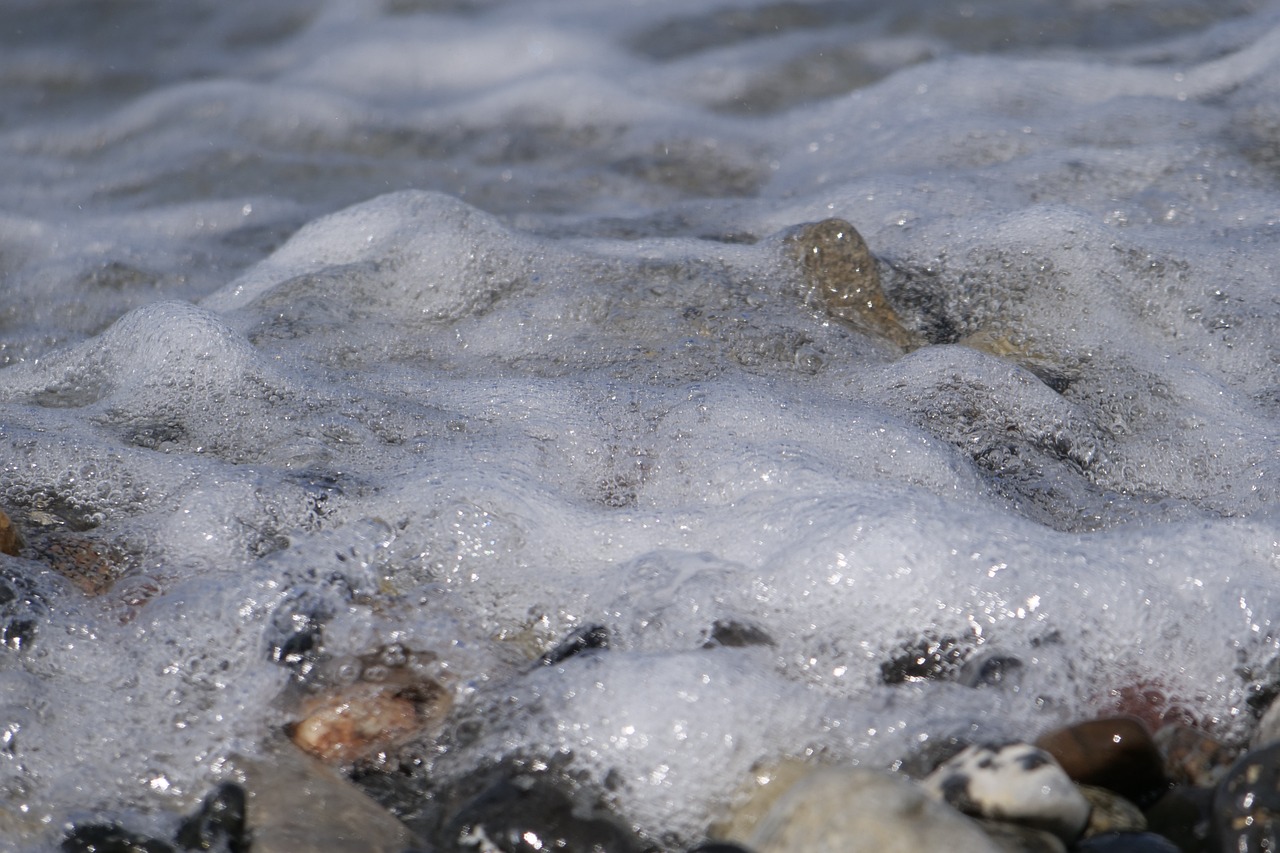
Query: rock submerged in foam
point(841, 276)
point(863, 811)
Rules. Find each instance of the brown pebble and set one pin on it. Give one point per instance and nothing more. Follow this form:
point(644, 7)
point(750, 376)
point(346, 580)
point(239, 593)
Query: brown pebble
point(1116, 753)
point(390, 703)
point(1191, 757)
point(1111, 812)
point(841, 275)
point(10, 541)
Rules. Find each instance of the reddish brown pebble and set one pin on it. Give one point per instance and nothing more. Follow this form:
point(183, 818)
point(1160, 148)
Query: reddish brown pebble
point(10, 543)
point(352, 723)
point(1191, 757)
point(1116, 753)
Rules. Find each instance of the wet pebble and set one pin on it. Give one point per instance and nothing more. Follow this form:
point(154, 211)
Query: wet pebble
point(585, 639)
point(1015, 782)
point(1127, 842)
point(297, 803)
point(527, 813)
point(219, 823)
point(857, 810)
point(1110, 812)
point(1113, 752)
point(1246, 803)
point(391, 701)
point(1191, 757)
point(108, 838)
point(1268, 730)
point(1183, 816)
point(842, 276)
point(1012, 838)
point(10, 542)
point(991, 669)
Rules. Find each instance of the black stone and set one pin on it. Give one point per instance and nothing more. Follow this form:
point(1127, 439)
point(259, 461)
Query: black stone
point(1127, 842)
point(219, 824)
point(295, 635)
point(1183, 816)
point(926, 659)
point(734, 634)
point(584, 639)
point(527, 813)
point(991, 669)
point(108, 838)
point(1246, 804)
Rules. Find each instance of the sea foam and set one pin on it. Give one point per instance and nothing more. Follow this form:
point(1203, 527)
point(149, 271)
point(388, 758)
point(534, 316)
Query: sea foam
point(458, 327)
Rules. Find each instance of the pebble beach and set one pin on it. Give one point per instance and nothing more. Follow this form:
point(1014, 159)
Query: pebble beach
point(732, 427)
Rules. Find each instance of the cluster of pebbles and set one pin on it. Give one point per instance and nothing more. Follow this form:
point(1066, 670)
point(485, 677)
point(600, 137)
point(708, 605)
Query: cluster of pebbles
point(1103, 785)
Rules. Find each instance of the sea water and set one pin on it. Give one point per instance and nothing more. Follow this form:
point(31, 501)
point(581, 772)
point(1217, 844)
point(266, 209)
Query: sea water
point(457, 326)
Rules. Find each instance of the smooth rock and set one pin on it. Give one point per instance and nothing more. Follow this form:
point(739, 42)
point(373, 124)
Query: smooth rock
point(1113, 752)
point(1268, 730)
point(768, 782)
point(719, 847)
point(856, 810)
point(1015, 782)
point(841, 275)
point(391, 701)
point(296, 803)
point(1127, 842)
point(1111, 812)
point(1191, 757)
point(219, 823)
point(584, 639)
point(992, 668)
point(107, 838)
point(1246, 803)
point(1184, 816)
point(1013, 838)
point(527, 813)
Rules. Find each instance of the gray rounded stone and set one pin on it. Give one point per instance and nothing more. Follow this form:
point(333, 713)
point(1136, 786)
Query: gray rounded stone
point(856, 810)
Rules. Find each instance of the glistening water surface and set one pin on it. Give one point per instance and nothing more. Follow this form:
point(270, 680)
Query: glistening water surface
point(449, 328)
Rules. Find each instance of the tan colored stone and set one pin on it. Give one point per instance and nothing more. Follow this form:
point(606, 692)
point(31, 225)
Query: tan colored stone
point(856, 810)
point(296, 803)
point(1111, 812)
point(386, 706)
point(840, 274)
point(752, 802)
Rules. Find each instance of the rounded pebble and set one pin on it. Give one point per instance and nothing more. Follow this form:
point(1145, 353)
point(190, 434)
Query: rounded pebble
point(1015, 782)
point(1127, 842)
point(856, 810)
point(526, 813)
point(1191, 757)
point(1183, 816)
point(1113, 752)
point(1111, 812)
point(1246, 803)
point(219, 823)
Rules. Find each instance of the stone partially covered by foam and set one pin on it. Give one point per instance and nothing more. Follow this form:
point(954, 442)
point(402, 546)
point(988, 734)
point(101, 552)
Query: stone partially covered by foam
point(415, 253)
point(470, 328)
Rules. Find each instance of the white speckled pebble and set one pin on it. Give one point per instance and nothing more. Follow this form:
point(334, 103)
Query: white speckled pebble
point(1016, 782)
point(855, 810)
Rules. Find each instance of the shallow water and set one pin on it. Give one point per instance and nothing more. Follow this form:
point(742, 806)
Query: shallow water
point(460, 325)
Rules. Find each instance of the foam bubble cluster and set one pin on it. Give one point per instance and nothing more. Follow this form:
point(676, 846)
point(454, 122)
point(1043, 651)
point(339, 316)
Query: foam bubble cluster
point(388, 344)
